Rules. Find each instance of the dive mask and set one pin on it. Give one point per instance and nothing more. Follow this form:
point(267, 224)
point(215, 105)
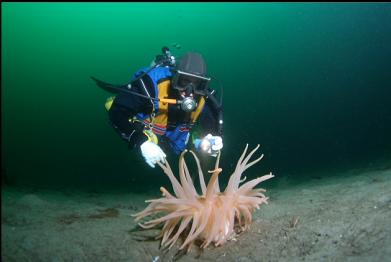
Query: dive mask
point(188, 82)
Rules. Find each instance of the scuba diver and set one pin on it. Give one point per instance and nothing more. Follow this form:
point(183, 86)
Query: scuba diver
point(166, 105)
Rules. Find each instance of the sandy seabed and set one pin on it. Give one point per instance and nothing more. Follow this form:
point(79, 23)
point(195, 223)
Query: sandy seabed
point(342, 218)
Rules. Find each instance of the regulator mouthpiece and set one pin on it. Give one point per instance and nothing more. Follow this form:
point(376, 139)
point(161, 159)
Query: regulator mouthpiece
point(188, 104)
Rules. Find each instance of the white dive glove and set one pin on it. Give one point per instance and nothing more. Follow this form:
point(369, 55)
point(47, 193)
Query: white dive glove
point(152, 153)
point(210, 144)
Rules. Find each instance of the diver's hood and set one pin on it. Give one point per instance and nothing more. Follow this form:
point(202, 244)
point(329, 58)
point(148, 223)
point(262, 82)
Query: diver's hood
point(192, 63)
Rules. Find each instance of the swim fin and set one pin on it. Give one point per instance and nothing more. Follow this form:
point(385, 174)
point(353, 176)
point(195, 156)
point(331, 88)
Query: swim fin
point(112, 88)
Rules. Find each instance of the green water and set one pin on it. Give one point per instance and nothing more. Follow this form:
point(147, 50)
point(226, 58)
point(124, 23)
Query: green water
point(310, 82)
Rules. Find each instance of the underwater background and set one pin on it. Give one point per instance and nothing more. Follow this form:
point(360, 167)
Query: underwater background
point(310, 82)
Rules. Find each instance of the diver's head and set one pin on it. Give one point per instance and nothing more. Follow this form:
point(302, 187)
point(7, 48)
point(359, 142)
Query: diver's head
point(190, 76)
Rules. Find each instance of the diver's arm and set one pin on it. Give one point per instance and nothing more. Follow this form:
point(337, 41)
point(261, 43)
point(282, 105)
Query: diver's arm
point(125, 106)
point(130, 132)
point(209, 138)
point(210, 119)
